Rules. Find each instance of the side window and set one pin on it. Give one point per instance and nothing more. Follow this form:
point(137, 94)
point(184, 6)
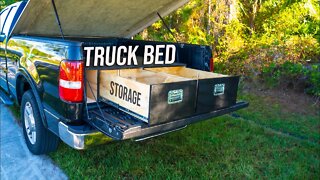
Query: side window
point(3, 16)
point(9, 20)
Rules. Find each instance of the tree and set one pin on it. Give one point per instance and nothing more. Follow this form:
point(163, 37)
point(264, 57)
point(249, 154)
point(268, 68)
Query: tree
point(4, 3)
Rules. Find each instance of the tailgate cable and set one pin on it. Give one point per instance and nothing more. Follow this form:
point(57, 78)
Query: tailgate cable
point(96, 99)
point(57, 18)
point(167, 27)
point(165, 24)
point(85, 95)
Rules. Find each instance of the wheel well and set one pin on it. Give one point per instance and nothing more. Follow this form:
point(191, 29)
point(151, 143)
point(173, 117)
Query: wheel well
point(22, 86)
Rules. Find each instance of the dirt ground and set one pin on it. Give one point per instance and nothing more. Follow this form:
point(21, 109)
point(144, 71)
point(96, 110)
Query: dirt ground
point(290, 100)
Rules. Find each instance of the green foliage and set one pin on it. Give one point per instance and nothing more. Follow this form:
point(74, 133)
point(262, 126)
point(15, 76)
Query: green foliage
point(296, 19)
point(314, 79)
point(247, 35)
point(4, 3)
point(293, 75)
point(273, 34)
point(272, 74)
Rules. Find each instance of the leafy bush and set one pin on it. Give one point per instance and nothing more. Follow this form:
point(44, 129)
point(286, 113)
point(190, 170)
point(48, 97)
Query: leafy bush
point(293, 75)
point(314, 79)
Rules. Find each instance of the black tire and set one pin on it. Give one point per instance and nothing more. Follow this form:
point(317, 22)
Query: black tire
point(44, 141)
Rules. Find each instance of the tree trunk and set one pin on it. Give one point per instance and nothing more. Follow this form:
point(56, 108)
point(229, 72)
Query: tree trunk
point(252, 18)
point(209, 17)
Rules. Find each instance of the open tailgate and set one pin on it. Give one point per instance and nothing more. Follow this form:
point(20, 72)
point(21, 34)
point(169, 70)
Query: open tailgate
point(120, 126)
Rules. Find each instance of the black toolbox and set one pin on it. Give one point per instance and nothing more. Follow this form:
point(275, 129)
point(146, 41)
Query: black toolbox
point(214, 91)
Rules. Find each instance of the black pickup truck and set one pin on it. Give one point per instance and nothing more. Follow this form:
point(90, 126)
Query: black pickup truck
point(43, 69)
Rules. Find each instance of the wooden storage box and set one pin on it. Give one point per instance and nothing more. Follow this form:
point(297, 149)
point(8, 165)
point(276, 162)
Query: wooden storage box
point(215, 91)
point(153, 97)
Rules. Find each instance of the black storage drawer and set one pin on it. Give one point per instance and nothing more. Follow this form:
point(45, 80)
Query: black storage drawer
point(214, 91)
point(172, 101)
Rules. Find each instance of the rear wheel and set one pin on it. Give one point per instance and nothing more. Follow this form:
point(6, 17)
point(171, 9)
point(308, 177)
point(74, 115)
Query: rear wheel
point(38, 139)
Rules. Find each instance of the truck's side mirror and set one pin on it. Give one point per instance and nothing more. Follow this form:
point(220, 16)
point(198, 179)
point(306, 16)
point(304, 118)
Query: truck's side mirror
point(2, 37)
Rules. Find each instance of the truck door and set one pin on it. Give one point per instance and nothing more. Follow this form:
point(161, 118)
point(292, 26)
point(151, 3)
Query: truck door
point(8, 56)
point(3, 79)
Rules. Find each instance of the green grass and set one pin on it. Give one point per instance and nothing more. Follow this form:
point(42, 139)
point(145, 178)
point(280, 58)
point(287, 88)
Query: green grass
point(272, 114)
point(223, 147)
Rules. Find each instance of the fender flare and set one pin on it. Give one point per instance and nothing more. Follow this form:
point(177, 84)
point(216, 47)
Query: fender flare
point(22, 72)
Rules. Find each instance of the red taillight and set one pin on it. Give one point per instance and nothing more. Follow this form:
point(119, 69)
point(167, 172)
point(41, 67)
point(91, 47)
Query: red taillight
point(71, 81)
point(211, 65)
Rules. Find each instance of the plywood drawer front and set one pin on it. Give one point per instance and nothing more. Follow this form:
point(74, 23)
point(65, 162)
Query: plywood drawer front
point(127, 93)
point(159, 97)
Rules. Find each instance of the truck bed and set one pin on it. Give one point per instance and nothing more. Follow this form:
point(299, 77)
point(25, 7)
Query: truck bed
point(172, 96)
